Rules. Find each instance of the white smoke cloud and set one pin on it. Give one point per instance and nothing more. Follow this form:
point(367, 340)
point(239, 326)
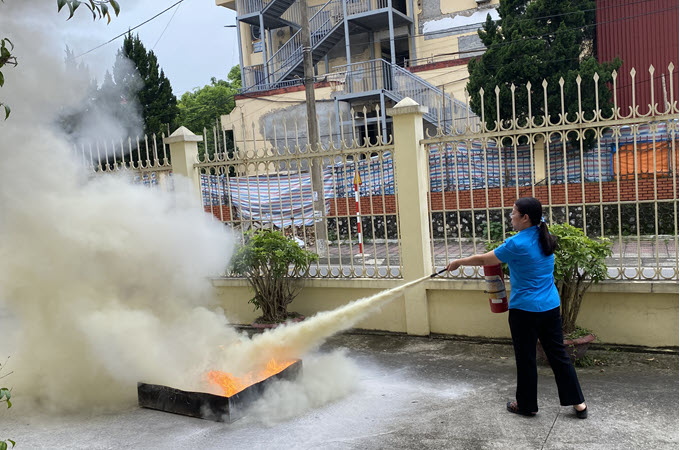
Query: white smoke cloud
point(104, 282)
point(107, 282)
point(324, 379)
point(108, 115)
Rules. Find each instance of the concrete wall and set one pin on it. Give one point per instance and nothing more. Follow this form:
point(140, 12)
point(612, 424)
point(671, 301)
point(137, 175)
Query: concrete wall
point(624, 313)
point(456, 23)
point(260, 118)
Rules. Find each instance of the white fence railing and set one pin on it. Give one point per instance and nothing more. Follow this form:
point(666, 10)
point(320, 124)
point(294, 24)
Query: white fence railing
point(272, 187)
point(612, 175)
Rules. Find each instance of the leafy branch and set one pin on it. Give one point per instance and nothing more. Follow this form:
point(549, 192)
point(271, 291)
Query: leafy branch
point(579, 262)
point(5, 396)
point(98, 8)
point(6, 58)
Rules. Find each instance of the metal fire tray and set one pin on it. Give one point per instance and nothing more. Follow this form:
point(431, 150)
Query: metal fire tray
point(209, 406)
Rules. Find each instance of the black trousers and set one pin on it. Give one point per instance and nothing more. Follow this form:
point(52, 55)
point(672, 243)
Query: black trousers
point(526, 327)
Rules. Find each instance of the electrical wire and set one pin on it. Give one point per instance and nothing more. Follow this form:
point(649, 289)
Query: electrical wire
point(405, 37)
point(525, 38)
point(546, 17)
point(129, 30)
point(483, 49)
point(166, 26)
point(418, 35)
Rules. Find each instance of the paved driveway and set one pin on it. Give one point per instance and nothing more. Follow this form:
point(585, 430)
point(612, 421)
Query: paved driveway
point(394, 391)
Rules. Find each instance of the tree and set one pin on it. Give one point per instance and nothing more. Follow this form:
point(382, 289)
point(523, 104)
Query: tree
point(144, 81)
point(70, 120)
point(536, 40)
point(201, 108)
point(579, 262)
point(98, 8)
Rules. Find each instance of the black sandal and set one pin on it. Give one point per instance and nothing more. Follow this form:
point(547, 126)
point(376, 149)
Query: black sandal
point(513, 408)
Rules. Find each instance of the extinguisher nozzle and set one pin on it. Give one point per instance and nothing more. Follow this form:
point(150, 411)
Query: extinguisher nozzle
point(438, 273)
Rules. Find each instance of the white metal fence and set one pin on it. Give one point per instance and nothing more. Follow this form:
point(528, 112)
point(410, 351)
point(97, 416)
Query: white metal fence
point(146, 159)
point(611, 174)
point(272, 187)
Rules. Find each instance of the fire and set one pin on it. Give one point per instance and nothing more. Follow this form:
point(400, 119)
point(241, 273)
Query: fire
point(231, 385)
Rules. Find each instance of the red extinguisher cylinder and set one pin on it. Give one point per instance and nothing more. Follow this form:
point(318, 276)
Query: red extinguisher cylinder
point(495, 287)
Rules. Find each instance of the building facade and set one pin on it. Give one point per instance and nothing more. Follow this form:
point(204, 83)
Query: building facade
point(640, 34)
point(367, 54)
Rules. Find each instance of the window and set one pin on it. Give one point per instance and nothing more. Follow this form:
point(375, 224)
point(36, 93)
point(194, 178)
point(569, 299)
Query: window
point(256, 34)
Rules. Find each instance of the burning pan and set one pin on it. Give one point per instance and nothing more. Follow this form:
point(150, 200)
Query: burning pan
point(209, 406)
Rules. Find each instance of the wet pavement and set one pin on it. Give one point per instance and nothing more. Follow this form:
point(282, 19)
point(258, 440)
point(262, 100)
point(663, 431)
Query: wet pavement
point(406, 393)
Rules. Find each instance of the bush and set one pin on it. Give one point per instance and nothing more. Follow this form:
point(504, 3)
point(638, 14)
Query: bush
point(579, 262)
point(274, 265)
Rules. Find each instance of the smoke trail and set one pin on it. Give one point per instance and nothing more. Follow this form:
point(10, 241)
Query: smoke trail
point(296, 339)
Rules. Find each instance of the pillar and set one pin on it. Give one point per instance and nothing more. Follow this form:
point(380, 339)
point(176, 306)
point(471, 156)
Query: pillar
point(184, 153)
point(412, 184)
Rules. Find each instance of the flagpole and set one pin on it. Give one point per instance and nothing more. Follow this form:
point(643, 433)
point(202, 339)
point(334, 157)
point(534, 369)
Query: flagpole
point(357, 183)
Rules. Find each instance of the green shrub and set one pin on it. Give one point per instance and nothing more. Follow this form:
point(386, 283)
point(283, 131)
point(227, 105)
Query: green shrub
point(579, 262)
point(275, 266)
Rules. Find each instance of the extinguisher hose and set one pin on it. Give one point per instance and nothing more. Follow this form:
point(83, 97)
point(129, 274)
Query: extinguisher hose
point(437, 273)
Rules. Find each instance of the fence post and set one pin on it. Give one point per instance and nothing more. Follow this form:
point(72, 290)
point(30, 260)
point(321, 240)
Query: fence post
point(540, 176)
point(412, 183)
point(184, 153)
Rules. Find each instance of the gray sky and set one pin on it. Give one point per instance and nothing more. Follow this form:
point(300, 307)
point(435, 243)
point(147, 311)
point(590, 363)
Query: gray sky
point(194, 47)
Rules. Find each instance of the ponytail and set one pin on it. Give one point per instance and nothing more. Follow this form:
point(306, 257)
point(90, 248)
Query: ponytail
point(548, 241)
point(532, 207)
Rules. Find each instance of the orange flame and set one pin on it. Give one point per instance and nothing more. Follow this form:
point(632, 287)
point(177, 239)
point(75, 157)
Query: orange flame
point(231, 385)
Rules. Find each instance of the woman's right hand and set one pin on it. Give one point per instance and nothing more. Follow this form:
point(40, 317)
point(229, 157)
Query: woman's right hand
point(453, 265)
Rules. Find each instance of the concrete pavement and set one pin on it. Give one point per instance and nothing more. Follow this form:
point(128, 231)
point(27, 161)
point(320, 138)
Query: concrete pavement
point(410, 393)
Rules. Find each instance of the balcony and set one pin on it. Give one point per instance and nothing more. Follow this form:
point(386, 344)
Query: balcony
point(374, 14)
point(275, 13)
point(377, 77)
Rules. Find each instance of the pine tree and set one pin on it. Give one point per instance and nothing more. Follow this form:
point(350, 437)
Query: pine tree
point(536, 40)
point(144, 81)
point(70, 120)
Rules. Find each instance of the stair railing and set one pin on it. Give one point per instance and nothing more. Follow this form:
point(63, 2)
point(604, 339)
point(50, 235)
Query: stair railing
point(379, 74)
point(289, 54)
point(244, 7)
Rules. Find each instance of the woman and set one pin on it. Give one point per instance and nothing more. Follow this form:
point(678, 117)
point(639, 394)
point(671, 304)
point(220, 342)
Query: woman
point(534, 307)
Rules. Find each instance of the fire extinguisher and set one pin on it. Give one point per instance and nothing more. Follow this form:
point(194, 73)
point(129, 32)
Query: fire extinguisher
point(495, 287)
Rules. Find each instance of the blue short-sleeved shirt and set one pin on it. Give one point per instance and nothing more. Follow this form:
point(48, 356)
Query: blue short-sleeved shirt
point(531, 272)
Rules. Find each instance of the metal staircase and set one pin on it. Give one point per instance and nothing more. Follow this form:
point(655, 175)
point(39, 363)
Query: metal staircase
point(363, 79)
point(326, 29)
point(396, 83)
